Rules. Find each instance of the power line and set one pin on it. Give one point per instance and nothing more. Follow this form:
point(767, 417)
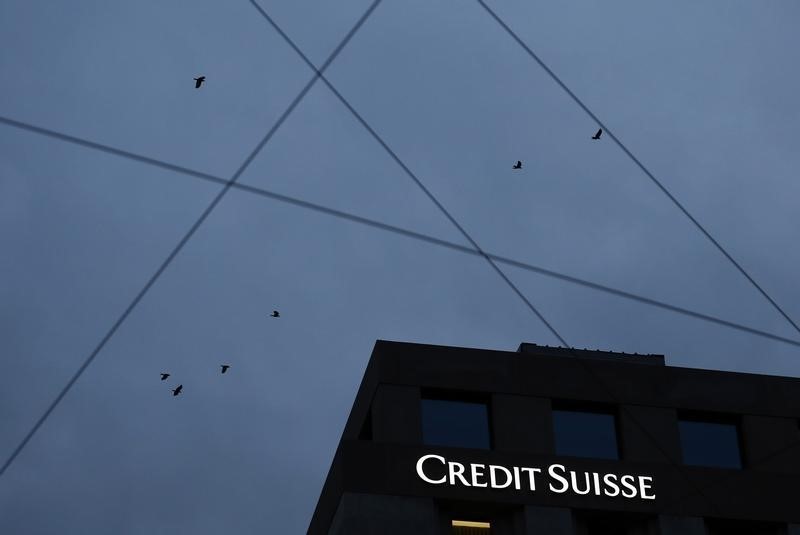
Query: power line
point(294, 201)
point(513, 262)
point(110, 150)
point(635, 160)
point(408, 172)
point(466, 235)
point(232, 184)
point(584, 363)
point(490, 258)
point(185, 239)
point(397, 230)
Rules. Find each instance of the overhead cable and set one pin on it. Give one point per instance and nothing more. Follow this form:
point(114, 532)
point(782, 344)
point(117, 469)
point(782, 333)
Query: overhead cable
point(638, 163)
point(186, 237)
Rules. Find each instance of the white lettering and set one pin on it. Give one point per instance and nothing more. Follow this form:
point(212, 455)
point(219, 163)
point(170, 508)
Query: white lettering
point(645, 487)
point(610, 481)
point(627, 482)
point(493, 468)
point(475, 474)
point(456, 473)
point(559, 480)
point(422, 475)
point(596, 479)
point(531, 476)
point(552, 472)
point(575, 483)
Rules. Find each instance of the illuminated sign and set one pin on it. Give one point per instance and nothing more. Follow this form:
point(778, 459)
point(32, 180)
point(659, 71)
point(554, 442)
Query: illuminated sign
point(556, 478)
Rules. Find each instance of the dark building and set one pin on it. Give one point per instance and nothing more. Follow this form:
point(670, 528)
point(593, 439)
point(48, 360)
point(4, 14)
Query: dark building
point(446, 440)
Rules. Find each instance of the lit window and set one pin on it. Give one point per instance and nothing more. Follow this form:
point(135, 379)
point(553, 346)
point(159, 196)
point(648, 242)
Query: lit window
point(469, 527)
point(462, 424)
point(709, 442)
point(585, 433)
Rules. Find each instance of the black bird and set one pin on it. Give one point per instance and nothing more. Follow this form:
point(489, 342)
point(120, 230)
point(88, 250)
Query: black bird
point(518, 165)
point(275, 314)
point(598, 134)
point(199, 81)
point(224, 367)
point(164, 376)
point(177, 390)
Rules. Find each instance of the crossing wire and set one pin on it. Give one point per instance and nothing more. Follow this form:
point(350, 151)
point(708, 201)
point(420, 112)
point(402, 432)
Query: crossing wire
point(636, 161)
point(327, 210)
point(301, 203)
point(584, 363)
point(231, 183)
point(185, 239)
point(409, 173)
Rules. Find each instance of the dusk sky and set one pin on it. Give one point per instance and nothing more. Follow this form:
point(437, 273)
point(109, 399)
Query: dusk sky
point(703, 92)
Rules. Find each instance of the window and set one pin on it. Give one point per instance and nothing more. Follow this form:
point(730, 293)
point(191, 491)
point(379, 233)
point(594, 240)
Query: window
point(710, 442)
point(585, 433)
point(451, 422)
point(469, 527)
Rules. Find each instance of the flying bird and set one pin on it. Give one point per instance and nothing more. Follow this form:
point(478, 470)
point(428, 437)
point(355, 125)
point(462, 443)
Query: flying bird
point(177, 390)
point(598, 134)
point(275, 314)
point(164, 376)
point(518, 165)
point(224, 367)
point(199, 81)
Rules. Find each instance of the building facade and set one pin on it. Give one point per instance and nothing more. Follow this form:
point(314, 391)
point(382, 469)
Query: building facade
point(446, 440)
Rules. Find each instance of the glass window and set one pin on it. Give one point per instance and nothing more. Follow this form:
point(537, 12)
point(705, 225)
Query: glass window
point(463, 424)
point(583, 433)
point(469, 527)
point(707, 442)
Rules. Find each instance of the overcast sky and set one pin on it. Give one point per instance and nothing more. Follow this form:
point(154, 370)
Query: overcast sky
point(704, 92)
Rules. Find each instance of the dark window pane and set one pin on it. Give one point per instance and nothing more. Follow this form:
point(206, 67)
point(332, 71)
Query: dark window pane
point(585, 434)
point(706, 443)
point(461, 424)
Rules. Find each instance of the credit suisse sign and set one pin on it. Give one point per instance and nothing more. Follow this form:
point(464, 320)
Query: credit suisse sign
point(555, 478)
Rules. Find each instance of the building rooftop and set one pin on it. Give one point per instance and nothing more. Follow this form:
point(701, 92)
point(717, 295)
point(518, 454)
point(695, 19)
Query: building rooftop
point(557, 351)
